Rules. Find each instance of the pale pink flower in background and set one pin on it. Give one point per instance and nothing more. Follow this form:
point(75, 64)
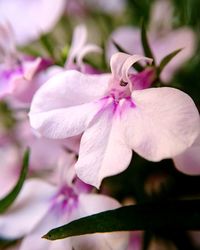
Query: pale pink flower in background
point(79, 49)
point(16, 70)
point(31, 19)
point(156, 123)
point(45, 153)
point(189, 161)
point(46, 206)
point(163, 39)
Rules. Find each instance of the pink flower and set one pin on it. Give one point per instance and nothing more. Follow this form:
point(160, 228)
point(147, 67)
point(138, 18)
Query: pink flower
point(79, 49)
point(31, 19)
point(162, 38)
point(156, 123)
point(45, 206)
point(16, 70)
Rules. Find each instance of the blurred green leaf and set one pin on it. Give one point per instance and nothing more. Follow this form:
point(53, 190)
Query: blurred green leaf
point(145, 43)
point(184, 214)
point(46, 42)
point(10, 198)
point(166, 60)
point(4, 243)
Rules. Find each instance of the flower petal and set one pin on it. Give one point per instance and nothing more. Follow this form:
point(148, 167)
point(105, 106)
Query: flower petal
point(189, 161)
point(34, 241)
point(163, 123)
point(120, 64)
point(56, 110)
point(29, 208)
point(65, 122)
point(89, 48)
point(78, 41)
point(128, 38)
point(103, 151)
point(180, 38)
point(69, 88)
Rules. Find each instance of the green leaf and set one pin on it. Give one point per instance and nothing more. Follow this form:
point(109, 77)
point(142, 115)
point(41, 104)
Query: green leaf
point(10, 198)
point(166, 60)
point(48, 45)
point(184, 215)
point(145, 43)
point(4, 243)
point(137, 66)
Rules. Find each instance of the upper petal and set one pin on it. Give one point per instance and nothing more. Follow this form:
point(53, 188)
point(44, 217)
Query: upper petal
point(121, 63)
point(69, 88)
point(56, 110)
point(103, 150)
point(163, 123)
point(64, 122)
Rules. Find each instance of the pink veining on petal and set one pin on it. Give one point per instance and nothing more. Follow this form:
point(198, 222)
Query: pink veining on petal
point(65, 199)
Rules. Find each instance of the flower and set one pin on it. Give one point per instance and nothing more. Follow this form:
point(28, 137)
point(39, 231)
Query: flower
point(79, 49)
point(17, 70)
point(162, 39)
point(156, 123)
point(45, 206)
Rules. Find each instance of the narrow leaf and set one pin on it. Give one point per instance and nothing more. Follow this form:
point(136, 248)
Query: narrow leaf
point(137, 66)
point(184, 215)
point(10, 198)
point(47, 44)
point(145, 43)
point(166, 60)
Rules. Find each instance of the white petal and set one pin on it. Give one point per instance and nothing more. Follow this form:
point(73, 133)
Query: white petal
point(120, 64)
point(69, 88)
point(189, 161)
point(33, 241)
point(163, 123)
point(78, 41)
point(29, 208)
point(128, 38)
point(91, 204)
point(31, 19)
point(89, 48)
point(103, 151)
point(65, 122)
point(180, 38)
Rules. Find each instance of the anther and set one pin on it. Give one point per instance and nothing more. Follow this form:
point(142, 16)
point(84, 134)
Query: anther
point(123, 83)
